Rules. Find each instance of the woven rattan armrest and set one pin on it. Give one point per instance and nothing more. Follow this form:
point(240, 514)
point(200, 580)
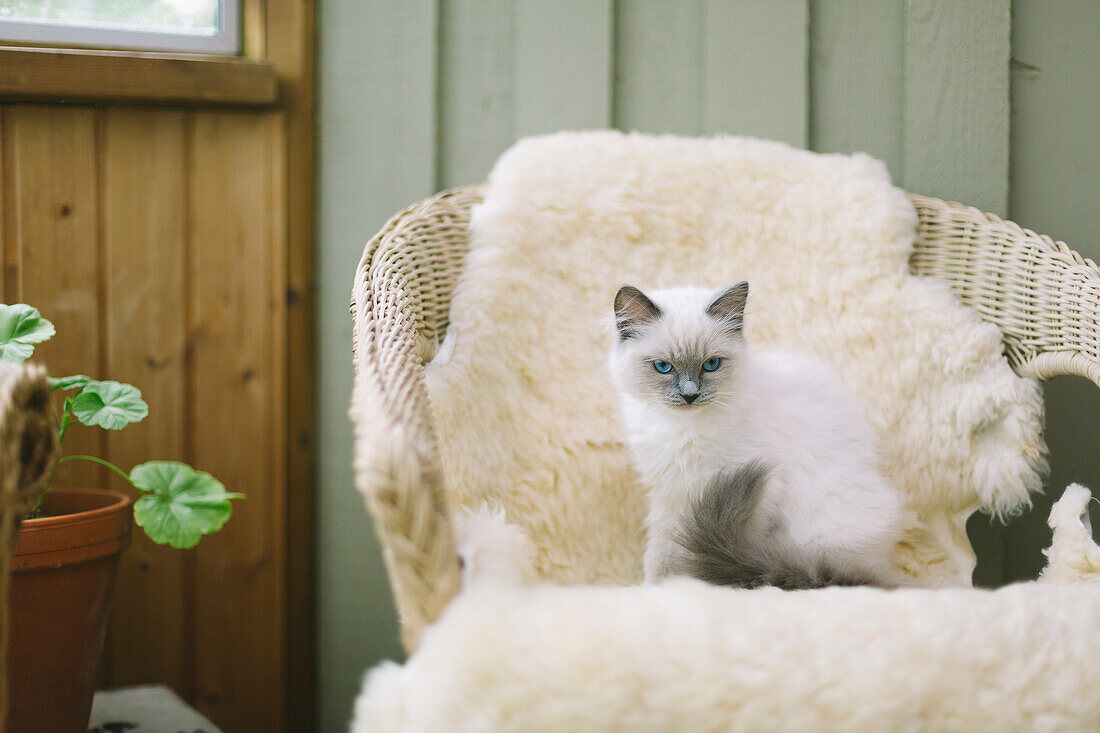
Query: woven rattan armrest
point(1044, 297)
point(400, 301)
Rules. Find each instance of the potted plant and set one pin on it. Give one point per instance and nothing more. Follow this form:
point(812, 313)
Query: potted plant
point(67, 548)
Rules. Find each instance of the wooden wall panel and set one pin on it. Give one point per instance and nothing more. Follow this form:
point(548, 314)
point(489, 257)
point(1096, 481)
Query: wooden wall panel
point(236, 249)
point(659, 50)
point(563, 67)
point(9, 274)
point(477, 88)
point(168, 245)
point(857, 95)
point(156, 241)
point(370, 51)
point(756, 69)
point(289, 32)
point(144, 204)
point(51, 196)
point(956, 100)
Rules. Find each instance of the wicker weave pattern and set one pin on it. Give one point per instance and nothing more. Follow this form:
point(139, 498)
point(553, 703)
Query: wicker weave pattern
point(400, 302)
point(1043, 296)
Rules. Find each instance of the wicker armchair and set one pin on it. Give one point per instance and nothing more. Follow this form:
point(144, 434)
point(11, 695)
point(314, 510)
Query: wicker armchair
point(28, 443)
point(1043, 296)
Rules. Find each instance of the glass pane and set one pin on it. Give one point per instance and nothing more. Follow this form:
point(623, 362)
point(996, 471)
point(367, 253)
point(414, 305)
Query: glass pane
point(157, 16)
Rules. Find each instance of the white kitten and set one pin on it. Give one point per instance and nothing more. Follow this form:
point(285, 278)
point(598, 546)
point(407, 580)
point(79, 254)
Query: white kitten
point(760, 467)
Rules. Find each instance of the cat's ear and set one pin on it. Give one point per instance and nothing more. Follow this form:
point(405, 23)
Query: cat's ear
point(632, 310)
point(729, 307)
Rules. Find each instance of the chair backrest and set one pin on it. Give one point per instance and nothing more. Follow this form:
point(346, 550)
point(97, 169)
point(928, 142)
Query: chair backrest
point(400, 303)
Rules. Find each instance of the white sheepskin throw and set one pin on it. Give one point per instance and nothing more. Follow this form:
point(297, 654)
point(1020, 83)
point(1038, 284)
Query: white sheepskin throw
point(524, 407)
point(685, 656)
point(682, 655)
point(1072, 555)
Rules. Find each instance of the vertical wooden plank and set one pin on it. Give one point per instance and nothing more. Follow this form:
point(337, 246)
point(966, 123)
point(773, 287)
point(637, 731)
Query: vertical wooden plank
point(254, 27)
point(755, 69)
point(563, 65)
point(1055, 177)
point(476, 88)
point(237, 378)
point(1055, 170)
point(376, 155)
point(55, 228)
point(143, 256)
point(9, 204)
point(659, 49)
point(857, 97)
point(957, 100)
point(290, 47)
point(5, 184)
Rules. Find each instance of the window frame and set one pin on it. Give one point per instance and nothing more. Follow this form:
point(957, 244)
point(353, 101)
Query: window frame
point(226, 42)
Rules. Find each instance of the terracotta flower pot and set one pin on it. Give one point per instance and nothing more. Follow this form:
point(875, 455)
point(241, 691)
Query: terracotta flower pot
point(62, 580)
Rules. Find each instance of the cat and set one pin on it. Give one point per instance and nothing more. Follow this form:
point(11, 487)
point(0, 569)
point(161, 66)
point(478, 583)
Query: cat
point(760, 467)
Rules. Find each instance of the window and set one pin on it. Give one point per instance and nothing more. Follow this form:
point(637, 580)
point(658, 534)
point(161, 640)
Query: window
point(195, 26)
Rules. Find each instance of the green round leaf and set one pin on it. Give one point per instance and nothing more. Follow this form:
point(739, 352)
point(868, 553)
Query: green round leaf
point(21, 326)
point(76, 381)
point(15, 352)
point(110, 405)
point(184, 504)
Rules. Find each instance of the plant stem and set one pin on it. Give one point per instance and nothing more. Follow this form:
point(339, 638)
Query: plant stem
point(66, 420)
point(101, 462)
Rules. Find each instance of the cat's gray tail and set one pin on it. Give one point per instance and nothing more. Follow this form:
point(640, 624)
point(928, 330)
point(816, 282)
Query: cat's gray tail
point(722, 547)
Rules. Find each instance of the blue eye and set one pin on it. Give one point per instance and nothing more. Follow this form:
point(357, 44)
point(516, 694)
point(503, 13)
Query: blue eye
point(662, 366)
point(711, 364)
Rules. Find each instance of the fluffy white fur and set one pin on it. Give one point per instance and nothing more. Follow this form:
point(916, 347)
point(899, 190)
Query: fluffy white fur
point(491, 549)
point(1072, 556)
point(526, 418)
point(524, 407)
point(825, 501)
point(683, 655)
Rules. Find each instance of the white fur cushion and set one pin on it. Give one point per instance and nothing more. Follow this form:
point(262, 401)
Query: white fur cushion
point(524, 408)
point(686, 656)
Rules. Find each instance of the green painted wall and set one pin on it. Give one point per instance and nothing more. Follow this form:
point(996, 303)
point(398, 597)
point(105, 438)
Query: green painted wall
point(376, 137)
point(419, 95)
point(1055, 189)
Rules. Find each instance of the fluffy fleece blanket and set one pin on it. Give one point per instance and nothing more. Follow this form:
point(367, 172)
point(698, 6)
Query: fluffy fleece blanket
point(683, 655)
point(524, 406)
